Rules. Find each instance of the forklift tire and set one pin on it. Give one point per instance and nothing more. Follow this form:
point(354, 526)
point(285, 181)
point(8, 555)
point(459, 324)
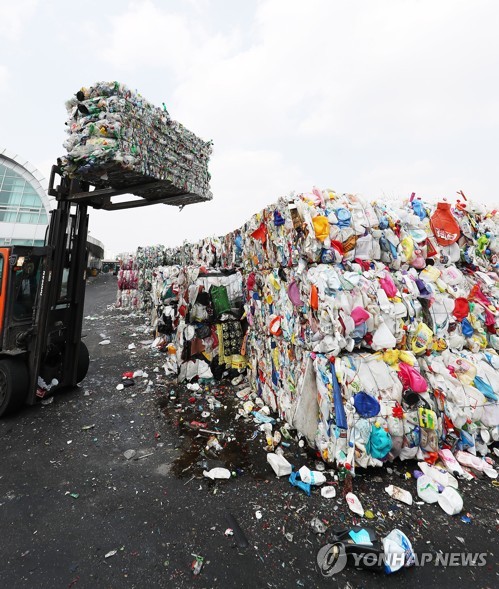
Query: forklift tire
point(14, 384)
point(83, 362)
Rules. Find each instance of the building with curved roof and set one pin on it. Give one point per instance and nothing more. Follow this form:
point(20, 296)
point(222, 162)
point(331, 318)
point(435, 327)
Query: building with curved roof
point(24, 205)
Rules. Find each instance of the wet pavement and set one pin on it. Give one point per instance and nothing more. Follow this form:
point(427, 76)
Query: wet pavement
point(75, 512)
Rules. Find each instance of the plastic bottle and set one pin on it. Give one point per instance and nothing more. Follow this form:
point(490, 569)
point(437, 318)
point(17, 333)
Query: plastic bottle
point(354, 504)
point(342, 473)
point(450, 501)
point(451, 464)
point(313, 477)
point(197, 565)
point(443, 478)
point(427, 489)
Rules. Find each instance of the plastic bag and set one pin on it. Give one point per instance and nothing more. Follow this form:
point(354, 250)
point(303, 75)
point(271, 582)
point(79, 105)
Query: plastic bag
point(294, 294)
point(359, 315)
point(398, 551)
point(461, 308)
point(380, 443)
point(366, 405)
point(411, 378)
point(220, 299)
point(321, 227)
point(311, 477)
point(383, 338)
point(388, 286)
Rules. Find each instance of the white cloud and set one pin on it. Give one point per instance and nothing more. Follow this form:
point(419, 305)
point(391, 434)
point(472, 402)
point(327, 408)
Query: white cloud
point(414, 67)
point(379, 76)
point(146, 36)
point(245, 181)
point(15, 14)
point(4, 76)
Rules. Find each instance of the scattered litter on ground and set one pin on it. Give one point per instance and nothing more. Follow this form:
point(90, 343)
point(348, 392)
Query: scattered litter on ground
point(110, 553)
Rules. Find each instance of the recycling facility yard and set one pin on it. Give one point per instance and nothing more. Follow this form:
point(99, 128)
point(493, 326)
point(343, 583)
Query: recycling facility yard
point(104, 488)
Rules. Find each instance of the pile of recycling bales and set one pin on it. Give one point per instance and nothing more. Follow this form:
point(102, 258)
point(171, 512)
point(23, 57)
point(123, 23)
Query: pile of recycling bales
point(372, 327)
point(119, 139)
point(135, 277)
point(129, 296)
point(146, 260)
point(197, 315)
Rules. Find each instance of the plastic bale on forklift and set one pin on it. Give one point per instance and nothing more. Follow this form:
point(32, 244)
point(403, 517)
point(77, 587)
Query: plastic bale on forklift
point(117, 138)
point(119, 144)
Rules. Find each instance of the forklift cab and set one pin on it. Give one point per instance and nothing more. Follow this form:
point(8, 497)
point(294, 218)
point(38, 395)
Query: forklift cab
point(20, 273)
point(41, 311)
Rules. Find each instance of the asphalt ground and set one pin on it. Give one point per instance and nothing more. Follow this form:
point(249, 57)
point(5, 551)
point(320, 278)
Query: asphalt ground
point(69, 497)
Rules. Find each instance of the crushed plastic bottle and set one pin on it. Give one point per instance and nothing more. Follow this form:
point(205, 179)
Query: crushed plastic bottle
point(197, 564)
point(312, 477)
point(354, 504)
point(217, 473)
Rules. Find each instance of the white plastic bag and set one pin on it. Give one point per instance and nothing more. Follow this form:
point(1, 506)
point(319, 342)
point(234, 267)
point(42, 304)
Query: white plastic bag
point(383, 338)
point(399, 494)
point(398, 551)
point(354, 504)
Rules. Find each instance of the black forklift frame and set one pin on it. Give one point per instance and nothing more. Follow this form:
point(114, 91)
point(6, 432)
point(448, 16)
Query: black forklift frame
point(66, 240)
point(64, 233)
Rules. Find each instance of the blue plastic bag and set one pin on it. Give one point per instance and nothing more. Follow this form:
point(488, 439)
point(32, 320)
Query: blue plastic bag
point(366, 405)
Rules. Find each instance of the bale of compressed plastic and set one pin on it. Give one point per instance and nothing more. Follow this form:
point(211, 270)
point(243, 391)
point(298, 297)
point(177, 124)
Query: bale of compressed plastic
point(372, 331)
point(118, 139)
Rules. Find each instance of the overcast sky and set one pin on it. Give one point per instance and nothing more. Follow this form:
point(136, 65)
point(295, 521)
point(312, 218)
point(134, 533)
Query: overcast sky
point(377, 97)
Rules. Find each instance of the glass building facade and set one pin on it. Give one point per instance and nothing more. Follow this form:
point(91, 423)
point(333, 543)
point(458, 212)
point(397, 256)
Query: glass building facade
point(24, 206)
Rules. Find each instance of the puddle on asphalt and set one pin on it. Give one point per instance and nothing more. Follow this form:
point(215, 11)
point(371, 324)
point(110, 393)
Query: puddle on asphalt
point(240, 451)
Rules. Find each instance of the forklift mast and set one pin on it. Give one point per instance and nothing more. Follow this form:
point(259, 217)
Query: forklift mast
point(61, 294)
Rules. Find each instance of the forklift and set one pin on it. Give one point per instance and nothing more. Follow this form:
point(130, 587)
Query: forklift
point(42, 289)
